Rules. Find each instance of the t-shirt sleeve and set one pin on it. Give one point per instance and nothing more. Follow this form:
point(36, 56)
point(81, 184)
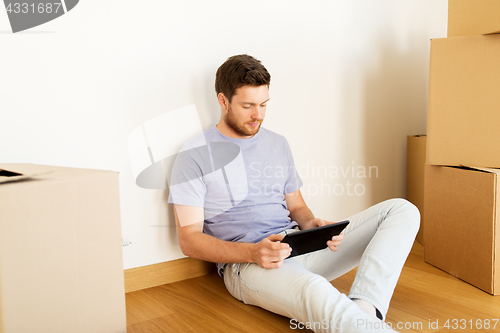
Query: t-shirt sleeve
point(186, 183)
point(293, 182)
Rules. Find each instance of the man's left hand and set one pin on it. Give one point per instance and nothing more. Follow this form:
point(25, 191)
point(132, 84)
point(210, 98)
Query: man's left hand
point(336, 240)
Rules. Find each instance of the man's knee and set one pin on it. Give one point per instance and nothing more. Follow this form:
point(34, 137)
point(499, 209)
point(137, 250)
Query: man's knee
point(411, 211)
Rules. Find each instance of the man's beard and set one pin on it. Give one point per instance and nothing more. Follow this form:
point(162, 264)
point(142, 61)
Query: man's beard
point(240, 129)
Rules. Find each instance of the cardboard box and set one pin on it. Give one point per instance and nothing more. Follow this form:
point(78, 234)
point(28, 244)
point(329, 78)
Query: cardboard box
point(461, 224)
point(415, 166)
point(61, 264)
point(464, 101)
point(473, 17)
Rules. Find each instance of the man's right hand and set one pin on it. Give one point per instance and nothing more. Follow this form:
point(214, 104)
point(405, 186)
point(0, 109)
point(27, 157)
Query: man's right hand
point(269, 253)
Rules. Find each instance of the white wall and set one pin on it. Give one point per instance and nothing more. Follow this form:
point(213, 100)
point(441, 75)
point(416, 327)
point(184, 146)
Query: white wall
point(349, 82)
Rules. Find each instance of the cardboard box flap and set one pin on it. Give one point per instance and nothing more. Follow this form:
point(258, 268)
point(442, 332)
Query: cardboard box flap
point(17, 172)
point(489, 170)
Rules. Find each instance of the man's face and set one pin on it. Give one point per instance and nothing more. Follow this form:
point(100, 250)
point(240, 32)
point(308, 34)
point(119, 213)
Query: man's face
point(247, 109)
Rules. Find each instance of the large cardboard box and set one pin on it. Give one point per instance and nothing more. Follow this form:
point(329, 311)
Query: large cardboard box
point(464, 101)
point(415, 166)
point(461, 224)
point(473, 17)
point(60, 251)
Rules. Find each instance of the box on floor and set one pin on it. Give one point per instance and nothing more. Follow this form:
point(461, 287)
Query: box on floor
point(462, 213)
point(415, 166)
point(60, 250)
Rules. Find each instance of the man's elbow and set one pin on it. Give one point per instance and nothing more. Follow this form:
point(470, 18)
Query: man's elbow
point(185, 245)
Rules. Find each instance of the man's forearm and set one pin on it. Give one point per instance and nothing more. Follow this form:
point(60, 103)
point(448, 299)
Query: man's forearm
point(209, 248)
point(304, 217)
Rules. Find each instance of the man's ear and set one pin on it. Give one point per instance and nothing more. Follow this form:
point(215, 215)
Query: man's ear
point(223, 101)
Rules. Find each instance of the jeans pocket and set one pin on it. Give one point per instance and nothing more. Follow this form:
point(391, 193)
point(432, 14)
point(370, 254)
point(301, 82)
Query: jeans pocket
point(249, 292)
point(231, 280)
point(235, 279)
point(241, 274)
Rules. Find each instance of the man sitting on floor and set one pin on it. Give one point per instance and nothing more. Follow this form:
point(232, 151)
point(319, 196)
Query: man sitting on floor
point(236, 193)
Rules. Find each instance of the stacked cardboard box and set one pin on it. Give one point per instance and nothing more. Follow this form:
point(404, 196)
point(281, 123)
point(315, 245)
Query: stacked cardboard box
point(462, 194)
point(60, 250)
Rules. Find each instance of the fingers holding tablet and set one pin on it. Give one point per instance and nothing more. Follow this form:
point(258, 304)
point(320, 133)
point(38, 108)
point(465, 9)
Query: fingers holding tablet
point(335, 242)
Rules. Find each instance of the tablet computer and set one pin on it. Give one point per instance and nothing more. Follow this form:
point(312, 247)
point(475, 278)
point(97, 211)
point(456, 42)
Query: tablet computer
point(314, 239)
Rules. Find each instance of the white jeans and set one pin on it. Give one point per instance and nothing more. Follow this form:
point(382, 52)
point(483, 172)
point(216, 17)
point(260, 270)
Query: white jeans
point(378, 241)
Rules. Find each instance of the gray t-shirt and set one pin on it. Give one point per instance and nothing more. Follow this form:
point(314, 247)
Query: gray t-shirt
point(240, 183)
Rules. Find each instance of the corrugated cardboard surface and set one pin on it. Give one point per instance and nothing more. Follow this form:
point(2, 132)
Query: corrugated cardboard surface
point(461, 224)
point(60, 252)
point(473, 17)
point(464, 101)
point(415, 177)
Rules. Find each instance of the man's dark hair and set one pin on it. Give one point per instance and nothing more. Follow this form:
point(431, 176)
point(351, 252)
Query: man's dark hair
point(240, 70)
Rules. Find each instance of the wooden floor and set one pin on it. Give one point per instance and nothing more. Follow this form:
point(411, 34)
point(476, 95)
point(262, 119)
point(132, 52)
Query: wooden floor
point(424, 295)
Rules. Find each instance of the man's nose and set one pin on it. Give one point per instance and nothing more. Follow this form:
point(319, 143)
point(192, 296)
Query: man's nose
point(257, 113)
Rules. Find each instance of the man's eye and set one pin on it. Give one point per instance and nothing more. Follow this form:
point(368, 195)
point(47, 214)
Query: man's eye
point(263, 105)
point(246, 106)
